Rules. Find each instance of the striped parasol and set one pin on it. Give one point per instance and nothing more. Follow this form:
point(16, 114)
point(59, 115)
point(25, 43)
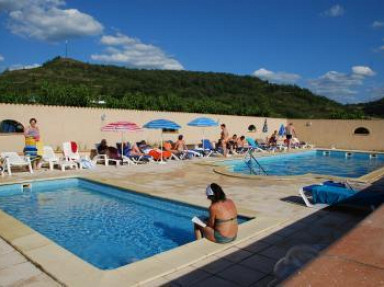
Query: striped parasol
point(122, 127)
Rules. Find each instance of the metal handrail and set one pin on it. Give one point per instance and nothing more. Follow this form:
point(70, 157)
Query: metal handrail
point(250, 154)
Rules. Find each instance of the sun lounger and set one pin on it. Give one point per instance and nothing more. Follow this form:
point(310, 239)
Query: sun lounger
point(189, 154)
point(325, 194)
point(12, 159)
point(254, 145)
point(207, 148)
point(71, 153)
point(180, 155)
point(103, 158)
point(50, 157)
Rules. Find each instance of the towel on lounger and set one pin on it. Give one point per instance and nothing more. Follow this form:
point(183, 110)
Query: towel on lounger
point(74, 147)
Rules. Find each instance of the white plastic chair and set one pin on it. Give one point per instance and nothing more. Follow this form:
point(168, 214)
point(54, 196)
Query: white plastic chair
point(69, 154)
point(50, 157)
point(13, 159)
point(103, 158)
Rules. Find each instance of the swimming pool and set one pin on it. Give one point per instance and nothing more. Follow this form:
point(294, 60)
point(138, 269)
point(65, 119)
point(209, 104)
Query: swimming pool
point(337, 163)
point(105, 226)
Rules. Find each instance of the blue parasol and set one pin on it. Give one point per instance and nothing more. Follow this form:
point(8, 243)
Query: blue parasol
point(162, 124)
point(203, 122)
point(282, 130)
point(265, 126)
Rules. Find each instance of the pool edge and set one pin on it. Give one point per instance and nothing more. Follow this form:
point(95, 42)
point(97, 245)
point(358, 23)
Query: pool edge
point(367, 178)
point(70, 270)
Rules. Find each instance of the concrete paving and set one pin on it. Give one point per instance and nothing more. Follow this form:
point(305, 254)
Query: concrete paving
point(248, 263)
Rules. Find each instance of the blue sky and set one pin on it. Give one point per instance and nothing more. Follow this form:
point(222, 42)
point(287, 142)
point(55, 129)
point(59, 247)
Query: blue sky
point(334, 48)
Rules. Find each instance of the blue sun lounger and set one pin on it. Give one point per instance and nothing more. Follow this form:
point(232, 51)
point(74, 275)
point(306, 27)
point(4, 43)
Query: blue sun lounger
point(208, 149)
point(326, 194)
point(254, 145)
point(331, 193)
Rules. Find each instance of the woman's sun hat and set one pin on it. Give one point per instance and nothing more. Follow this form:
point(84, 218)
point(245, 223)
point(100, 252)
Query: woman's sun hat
point(209, 191)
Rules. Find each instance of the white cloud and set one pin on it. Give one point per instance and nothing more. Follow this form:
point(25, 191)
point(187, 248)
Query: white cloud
point(46, 20)
point(275, 76)
point(362, 71)
point(23, 67)
point(334, 11)
point(339, 86)
point(132, 52)
point(1, 58)
point(377, 24)
point(10, 5)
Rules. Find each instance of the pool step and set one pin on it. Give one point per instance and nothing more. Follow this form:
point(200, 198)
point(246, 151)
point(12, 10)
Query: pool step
point(348, 154)
point(26, 187)
point(373, 155)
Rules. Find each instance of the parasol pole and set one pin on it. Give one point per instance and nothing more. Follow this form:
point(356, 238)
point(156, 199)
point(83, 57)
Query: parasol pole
point(161, 148)
point(203, 138)
point(122, 145)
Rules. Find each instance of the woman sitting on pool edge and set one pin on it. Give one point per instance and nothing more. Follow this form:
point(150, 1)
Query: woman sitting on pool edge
point(222, 223)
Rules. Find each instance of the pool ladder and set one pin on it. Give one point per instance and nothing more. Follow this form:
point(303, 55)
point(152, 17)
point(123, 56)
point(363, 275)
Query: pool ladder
point(373, 155)
point(249, 157)
point(26, 187)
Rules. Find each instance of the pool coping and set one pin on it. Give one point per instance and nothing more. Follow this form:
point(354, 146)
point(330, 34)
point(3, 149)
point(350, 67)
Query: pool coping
point(71, 270)
point(367, 178)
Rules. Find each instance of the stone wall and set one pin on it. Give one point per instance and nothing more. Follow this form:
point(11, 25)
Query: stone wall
point(340, 134)
point(83, 125)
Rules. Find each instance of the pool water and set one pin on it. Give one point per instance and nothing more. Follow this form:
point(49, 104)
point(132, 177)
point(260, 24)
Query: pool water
point(103, 225)
point(337, 163)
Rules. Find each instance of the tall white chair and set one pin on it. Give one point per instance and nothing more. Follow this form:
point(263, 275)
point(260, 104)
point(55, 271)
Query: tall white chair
point(50, 157)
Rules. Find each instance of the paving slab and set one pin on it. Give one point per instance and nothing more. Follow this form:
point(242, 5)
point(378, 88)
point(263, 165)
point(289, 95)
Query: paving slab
point(186, 181)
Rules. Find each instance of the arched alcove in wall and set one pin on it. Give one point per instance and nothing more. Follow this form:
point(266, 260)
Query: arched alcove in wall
point(361, 131)
point(11, 126)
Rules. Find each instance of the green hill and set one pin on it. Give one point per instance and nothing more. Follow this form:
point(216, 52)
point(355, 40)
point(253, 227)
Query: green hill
point(373, 109)
point(72, 83)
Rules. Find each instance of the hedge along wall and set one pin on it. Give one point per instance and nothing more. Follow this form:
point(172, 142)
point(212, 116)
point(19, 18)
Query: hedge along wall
point(342, 134)
point(59, 124)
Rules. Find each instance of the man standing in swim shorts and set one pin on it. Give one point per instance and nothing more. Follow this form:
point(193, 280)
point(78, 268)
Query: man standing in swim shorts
point(289, 132)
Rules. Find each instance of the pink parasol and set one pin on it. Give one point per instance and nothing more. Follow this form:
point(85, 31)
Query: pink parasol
point(122, 127)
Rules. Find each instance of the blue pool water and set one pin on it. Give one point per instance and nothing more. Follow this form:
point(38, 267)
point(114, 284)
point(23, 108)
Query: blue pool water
point(335, 163)
point(105, 226)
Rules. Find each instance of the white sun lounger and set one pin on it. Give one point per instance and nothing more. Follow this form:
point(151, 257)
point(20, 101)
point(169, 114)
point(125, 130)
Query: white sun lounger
point(308, 203)
point(50, 157)
point(103, 158)
point(12, 159)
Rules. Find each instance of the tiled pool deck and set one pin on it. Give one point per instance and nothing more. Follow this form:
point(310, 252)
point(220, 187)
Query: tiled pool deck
point(282, 221)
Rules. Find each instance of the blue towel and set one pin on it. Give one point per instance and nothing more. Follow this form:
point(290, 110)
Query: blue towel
point(335, 183)
point(328, 194)
point(31, 152)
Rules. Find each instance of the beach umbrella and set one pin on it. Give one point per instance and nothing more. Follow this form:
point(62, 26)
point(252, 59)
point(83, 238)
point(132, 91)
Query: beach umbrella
point(121, 127)
point(265, 126)
point(162, 124)
point(282, 130)
point(203, 122)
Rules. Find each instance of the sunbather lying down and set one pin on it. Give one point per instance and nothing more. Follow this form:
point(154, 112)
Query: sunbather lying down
point(159, 154)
